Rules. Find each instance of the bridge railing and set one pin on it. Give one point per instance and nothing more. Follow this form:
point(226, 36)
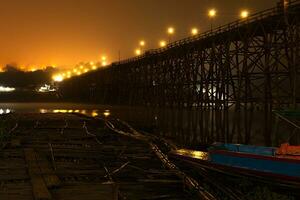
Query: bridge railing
point(221, 29)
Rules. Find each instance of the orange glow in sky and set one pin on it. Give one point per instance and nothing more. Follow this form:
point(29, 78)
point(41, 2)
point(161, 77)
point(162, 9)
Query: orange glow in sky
point(40, 33)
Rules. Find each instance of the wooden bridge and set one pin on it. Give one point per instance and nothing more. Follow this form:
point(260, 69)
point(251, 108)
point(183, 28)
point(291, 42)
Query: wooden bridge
point(244, 66)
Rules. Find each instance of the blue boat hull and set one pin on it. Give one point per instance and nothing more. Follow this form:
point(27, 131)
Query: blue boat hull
point(262, 164)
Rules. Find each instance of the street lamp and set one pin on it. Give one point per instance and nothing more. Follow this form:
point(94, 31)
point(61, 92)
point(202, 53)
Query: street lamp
point(103, 58)
point(142, 43)
point(57, 78)
point(138, 52)
point(104, 63)
point(212, 14)
point(194, 31)
point(244, 14)
point(162, 43)
point(171, 32)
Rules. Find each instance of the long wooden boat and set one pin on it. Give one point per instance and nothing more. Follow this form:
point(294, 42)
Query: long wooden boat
point(281, 165)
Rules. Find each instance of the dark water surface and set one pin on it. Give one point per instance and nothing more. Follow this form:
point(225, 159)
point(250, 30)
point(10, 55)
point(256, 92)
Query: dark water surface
point(186, 127)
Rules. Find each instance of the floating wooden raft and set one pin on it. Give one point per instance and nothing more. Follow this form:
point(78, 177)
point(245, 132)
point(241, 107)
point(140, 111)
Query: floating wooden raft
point(68, 157)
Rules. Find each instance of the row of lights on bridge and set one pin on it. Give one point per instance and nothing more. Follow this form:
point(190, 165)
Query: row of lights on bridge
point(212, 13)
point(81, 69)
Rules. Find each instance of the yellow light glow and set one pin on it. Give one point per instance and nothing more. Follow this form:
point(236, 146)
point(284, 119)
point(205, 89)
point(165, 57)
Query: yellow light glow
point(69, 72)
point(94, 67)
point(171, 31)
point(86, 70)
point(104, 58)
point(162, 43)
point(244, 14)
point(142, 43)
point(81, 66)
point(58, 78)
point(60, 111)
point(43, 111)
point(75, 70)
point(95, 114)
point(106, 113)
point(194, 31)
point(138, 52)
point(78, 73)
point(212, 13)
point(92, 63)
point(104, 63)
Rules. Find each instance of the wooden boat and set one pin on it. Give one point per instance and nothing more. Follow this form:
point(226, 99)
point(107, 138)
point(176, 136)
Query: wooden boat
point(265, 163)
point(280, 166)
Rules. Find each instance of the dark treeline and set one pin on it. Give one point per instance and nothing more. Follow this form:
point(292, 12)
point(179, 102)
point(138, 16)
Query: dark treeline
point(13, 77)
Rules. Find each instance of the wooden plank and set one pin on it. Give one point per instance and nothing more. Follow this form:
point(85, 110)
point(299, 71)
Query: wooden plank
point(105, 191)
point(40, 190)
point(51, 180)
point(15, 142)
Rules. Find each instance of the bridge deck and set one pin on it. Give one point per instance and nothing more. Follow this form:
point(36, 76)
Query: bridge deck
point(61, 156)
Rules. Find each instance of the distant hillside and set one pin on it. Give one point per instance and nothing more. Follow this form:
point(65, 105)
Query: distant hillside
point(13, 77)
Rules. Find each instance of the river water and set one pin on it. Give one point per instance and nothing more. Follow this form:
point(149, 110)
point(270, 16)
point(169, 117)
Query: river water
point(186, 127)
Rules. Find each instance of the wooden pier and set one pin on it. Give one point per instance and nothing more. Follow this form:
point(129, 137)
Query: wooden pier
point(72, 157)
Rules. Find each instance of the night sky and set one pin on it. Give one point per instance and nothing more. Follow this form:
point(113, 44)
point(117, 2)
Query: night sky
point(65, 32)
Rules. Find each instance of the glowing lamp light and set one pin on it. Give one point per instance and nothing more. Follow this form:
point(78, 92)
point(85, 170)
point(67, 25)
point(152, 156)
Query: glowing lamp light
point(6, 89)
point(244, 14)
point(138, 52)
point(103, 58)
point(92, 63)
point(162, 43)
point(106, 113)
point(171, 30)
point(104, 63)
point(58, 78)
point(212, 13)
point(95, 114)
point(94, 67)
point(194, 31)
point(43, 111)
point(142, 43)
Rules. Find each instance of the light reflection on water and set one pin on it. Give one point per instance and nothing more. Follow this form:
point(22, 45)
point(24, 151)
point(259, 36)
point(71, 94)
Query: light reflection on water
point(86, 109)
point(93, 113)
point(194, 154)
point(185, 127)
point(5, 111)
